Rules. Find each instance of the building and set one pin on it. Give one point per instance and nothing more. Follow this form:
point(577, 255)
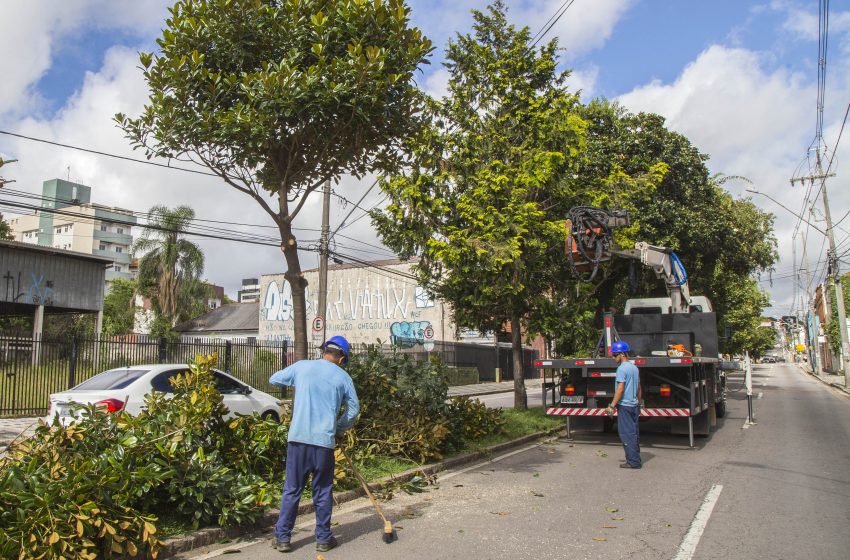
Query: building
point(42, 280)
point(250, 292)
point(382, 301)
point(227, 322)
point(68, 220)
point(364, 304)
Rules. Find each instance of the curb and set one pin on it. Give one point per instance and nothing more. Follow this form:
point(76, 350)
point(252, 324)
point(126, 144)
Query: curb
point(836, 385)
point(204, 537)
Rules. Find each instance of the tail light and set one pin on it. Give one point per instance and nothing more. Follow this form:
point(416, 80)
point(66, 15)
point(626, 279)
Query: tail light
point(569, 390)
point(111, 405)
point(665, 390)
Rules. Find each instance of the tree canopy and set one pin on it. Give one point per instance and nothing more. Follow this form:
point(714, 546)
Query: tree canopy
point(723, 241)
point(478, 200)
point(170, 266)
point(277, 97)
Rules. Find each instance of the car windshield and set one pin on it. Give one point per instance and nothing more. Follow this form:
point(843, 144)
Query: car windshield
point(112, 379)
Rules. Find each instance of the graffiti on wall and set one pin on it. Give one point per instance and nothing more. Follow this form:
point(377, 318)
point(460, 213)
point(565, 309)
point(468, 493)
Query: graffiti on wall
point(35, 290)
point(345, 305)
point(366, 311)
point(408, 333)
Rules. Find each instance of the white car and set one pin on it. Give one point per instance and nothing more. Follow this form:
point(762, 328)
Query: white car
point(115, 387)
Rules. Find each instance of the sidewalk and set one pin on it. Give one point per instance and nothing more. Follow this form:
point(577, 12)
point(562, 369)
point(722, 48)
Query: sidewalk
point(11, 427)
point(836, 381)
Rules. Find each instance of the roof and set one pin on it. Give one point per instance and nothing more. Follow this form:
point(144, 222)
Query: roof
point(53, 251)
point(228, 317)
point(364, 264)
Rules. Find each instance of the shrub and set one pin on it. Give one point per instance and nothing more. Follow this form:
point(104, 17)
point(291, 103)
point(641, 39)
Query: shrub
point(405, 410)
point(94, 489)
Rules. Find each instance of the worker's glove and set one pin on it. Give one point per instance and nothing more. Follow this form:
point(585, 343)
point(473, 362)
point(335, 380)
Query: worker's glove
point(609, 411)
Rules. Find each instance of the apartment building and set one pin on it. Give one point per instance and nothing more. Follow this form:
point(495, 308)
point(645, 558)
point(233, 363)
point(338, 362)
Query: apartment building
point(69, 220)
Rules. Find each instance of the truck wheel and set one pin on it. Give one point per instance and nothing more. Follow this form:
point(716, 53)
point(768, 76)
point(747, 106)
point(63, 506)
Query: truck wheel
point(720, 408)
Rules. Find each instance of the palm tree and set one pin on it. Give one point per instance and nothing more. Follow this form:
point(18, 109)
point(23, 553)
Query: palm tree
point(171, 265)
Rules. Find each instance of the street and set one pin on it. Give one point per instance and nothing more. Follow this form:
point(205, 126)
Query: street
point(776, 489)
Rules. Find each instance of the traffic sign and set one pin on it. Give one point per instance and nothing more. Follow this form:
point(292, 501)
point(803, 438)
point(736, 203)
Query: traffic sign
point(429, 332)
point(429, 345)
point(318, 324)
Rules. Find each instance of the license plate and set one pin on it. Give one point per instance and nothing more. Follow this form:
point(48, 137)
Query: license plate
point(572, 400)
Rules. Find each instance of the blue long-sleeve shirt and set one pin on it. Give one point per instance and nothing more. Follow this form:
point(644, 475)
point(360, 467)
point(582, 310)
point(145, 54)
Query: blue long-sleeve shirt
point(321, 388)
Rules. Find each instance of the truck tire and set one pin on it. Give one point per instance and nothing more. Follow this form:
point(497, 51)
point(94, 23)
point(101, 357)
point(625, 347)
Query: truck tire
point(720, 408)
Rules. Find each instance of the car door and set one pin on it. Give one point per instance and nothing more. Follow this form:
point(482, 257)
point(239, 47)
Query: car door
point(234, 393)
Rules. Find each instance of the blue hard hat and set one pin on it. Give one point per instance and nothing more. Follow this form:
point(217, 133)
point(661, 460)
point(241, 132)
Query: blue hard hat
point(620, 347)
point(340, 343)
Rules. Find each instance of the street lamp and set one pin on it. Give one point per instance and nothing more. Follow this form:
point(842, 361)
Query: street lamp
point(819, 230)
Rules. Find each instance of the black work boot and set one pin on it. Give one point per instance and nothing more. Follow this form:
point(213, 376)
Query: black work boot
point(326, 546)
point(281, 546)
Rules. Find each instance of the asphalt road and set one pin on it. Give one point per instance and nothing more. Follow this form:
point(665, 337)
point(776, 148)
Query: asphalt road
point(779, 489)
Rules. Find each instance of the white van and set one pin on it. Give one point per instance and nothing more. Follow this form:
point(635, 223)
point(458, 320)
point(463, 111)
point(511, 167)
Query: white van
point(664, 305)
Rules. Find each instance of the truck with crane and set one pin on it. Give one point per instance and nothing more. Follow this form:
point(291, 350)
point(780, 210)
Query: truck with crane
point(674, 339)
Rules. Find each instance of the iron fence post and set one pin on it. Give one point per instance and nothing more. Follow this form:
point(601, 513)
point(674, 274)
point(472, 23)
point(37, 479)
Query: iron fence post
point(227, 351)
point(72, 363)
point(163, 350)
point(284, 348)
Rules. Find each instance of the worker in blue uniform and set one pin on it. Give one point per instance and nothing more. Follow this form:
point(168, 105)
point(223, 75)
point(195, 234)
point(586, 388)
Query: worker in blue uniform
point(322, 387)
point(627, 398)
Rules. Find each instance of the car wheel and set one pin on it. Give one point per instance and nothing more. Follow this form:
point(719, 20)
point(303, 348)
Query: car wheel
point(270, 415)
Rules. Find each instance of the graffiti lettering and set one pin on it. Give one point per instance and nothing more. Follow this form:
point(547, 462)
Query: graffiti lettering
point(408, 333)
point(40, 292)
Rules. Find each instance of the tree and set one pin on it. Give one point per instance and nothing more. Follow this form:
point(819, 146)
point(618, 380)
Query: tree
point(119, 307)
point(478, 201)
point(171, 265)
point(5, 230)
point(278, 97)
point(722, 241)
point(764, 339)
point(832, 326)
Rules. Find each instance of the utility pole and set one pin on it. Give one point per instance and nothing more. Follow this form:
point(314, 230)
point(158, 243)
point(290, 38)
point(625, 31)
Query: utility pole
point(814, 355)
point(323, 263)
point(834, 266)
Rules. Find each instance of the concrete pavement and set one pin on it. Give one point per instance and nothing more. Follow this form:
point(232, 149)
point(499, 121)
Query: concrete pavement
point(777, 489)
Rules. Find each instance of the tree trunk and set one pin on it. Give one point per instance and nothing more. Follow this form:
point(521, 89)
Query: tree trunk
point(296, 280)
point(520, 396)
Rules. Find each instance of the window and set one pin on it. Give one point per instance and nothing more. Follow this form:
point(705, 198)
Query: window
point(120, 230)
point(119, 250)
point(67, 229)
point(162, 382)
point(103, 246)
point(227, 385)
point(59, 230)
point(102, 227)
point(112, 379)
point(117, 268)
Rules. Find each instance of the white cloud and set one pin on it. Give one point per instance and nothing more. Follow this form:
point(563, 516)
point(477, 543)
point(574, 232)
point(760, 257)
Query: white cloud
point(31, 31)
point(584, 81)
point(756, 122)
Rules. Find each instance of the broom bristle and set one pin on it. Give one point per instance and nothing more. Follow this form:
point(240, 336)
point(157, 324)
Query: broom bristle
point(389, 533)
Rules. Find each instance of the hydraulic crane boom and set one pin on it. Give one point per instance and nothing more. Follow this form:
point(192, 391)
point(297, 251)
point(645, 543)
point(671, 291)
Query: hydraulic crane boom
point(590, 241)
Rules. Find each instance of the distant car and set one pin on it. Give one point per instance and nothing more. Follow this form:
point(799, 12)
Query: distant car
point(768, 360)
point(112, 388)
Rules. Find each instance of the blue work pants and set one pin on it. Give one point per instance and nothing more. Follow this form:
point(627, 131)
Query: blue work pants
point(627, 427)
point(303, 459)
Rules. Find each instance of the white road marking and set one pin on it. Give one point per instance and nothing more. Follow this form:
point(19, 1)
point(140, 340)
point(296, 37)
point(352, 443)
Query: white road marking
point(692, 537)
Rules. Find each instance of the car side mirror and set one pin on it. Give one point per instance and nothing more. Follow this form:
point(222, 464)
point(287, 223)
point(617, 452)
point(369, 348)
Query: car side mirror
point(246, 390)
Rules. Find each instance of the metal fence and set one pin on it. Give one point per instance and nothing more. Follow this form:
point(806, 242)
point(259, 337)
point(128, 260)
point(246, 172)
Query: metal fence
point(33, 368)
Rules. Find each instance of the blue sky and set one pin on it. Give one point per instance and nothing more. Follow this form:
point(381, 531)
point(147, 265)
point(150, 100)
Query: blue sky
point(737, 77)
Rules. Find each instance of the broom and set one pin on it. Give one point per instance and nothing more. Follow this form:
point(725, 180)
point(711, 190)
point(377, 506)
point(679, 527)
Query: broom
point(389, 533)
